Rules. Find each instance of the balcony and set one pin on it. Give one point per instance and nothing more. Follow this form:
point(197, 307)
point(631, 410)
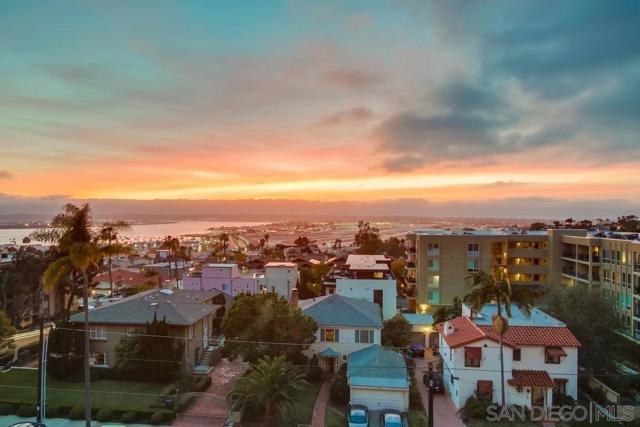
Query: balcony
point(636, 267)
point(410, 279)
point(412, 250)
point(411, 265)
point(473, 253)
point(636, 289)
point(583, 257)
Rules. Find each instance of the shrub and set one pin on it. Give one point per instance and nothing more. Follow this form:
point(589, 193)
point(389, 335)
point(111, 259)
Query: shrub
point(106, 414)
point(7, 409)
point(475, 407)
point(415, 398)
point(26, 411)
point(315, 373)
point(76, 413)
point(201, 384)
point(162, 416)
point(129, 417)
point(417, 419)
point(53, 412)
point(339, 391)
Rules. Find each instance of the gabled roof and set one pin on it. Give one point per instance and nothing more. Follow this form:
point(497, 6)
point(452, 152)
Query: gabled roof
point(376, 366)
point(180, 308)
point(547, 336)
point(338, 310)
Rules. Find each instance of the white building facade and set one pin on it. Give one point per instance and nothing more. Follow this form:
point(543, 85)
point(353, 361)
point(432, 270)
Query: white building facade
point(540, 363)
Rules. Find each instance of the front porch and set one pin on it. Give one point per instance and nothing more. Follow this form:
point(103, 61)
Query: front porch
point(330, 360)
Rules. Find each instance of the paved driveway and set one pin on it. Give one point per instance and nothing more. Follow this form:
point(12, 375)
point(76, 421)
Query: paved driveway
point(210, 408)
point(444, 412)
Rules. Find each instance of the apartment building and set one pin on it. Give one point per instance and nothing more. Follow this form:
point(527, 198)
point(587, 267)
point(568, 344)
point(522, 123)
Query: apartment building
point(441, 260)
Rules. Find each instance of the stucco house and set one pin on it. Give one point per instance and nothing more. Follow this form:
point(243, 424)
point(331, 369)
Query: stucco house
point(222, 277)
point(540, 359)
point(345, 325)
point(190, 314)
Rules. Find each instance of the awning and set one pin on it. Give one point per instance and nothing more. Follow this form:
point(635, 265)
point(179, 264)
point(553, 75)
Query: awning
point(530, 378)
point(473, 353)
point(555, 351)
point(329, 352)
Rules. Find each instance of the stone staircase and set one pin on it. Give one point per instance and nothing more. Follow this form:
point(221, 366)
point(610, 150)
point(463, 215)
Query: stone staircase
point(204, 367)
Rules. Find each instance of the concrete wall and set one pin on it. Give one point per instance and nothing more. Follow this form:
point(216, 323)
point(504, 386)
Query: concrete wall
point(280, 280)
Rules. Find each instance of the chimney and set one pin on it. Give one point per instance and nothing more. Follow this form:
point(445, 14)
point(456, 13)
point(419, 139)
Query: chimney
point(294, 297)
point(448, 328)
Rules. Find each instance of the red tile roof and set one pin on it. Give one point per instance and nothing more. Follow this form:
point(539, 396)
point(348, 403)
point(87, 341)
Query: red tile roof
point(530, 378)
point(465, 332)
point(548, 336)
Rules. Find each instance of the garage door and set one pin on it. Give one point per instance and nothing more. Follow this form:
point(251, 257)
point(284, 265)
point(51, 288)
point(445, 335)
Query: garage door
point(376, 400)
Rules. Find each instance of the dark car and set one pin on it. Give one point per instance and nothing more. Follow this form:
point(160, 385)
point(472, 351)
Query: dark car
point(417, 350)
point(392, 418)
point(438, 384)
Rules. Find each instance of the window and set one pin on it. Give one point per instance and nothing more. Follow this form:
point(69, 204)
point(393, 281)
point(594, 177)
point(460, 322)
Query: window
point(433, 297)
point(329, 335)
point(517, 354)
point(97, 333)
point(472, 357)
point(433, 248)
point(433, 264)
point(364, 337)
point(378, 275)
point(473, 265)
point(100, 360)
point(485, 388)
point(433, 282)
point(560, 386)
point(473, 249)
point(553, 355)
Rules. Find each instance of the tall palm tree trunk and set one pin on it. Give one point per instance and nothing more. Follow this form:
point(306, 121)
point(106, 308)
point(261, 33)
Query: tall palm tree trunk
point(87, 371)
point(110, 272)
point(501, 352)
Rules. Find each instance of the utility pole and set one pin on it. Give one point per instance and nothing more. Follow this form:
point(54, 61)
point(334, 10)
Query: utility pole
point(430, 389)
point(40, 407)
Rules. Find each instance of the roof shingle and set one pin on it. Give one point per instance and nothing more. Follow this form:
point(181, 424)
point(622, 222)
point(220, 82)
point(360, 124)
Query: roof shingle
point(530, 378)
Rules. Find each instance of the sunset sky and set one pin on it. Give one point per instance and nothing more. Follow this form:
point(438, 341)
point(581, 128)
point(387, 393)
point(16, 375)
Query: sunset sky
point(352, 100)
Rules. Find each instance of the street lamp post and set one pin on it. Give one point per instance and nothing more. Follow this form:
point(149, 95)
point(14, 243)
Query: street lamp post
point(430, 389)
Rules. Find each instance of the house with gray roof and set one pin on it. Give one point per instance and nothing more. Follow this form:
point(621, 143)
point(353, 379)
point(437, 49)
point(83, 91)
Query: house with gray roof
point(345, 325)
point(192, 316)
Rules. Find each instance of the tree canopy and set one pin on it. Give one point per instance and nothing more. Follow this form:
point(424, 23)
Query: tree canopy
point(254, 321)
point(448, 312)
point(6, 332)
point(396, 332)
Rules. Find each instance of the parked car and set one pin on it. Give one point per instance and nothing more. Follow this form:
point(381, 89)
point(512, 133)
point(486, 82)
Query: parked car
point(417, 350)
point(358, 416)
point(438, 384)
point(392, 418)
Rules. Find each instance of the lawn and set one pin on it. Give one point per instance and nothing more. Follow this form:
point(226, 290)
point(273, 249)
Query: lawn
point(19, 386)
point(335, 416)
point(304, 410)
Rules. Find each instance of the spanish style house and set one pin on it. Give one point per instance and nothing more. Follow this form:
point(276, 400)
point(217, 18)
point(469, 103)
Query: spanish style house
point(540, 359)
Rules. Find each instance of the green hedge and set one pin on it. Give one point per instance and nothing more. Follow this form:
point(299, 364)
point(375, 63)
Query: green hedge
point(26, 411)
point(7, 409)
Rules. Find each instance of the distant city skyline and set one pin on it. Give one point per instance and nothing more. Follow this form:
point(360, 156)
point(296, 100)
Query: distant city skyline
point(437, 108)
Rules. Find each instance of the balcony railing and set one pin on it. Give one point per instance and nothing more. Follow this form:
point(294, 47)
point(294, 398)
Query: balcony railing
point(411, 264)
point(595, 258)
point(571, 255)
point(583, 257)
point(473, 253)
point(412, 249)
point(569, 272)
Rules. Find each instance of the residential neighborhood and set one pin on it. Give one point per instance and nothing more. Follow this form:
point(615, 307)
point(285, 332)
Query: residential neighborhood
point(299, 213)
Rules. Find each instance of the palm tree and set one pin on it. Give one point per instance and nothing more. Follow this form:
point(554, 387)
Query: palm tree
point(173, 244)
point(81, 257)
point(488, 288)
point(109, 234)
point(224, 241)
point(70, 227)
point(266, 240)
point(273, 385)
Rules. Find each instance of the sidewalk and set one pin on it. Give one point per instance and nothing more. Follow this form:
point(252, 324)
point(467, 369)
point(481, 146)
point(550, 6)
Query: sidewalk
point(210, 408)
point(444, 412)
point(320, 407)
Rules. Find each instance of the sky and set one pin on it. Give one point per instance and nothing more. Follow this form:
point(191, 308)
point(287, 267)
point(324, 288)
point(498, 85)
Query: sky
point(447, 103)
